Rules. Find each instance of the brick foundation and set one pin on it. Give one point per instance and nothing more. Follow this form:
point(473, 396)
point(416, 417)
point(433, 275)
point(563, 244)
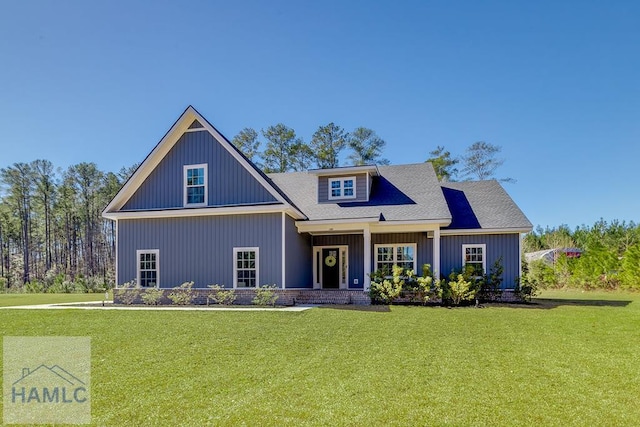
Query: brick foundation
point(286, 297)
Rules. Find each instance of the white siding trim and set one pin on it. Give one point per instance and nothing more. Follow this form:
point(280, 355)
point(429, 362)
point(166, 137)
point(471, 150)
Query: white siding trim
point(463, 232)
point(520, 237)
point(436, 253)
point(209, 211)
point(116, 255)
point(284, 251)
point(367, 258)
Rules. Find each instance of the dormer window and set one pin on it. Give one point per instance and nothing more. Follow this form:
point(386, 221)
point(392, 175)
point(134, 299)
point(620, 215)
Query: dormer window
point(342, 188)
point(195, 185)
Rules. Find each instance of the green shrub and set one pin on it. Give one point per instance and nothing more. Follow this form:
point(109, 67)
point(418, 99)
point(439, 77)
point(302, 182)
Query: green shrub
point(3, 283)
point(424, 288)
point(385, 291)
point(266, 295)
point(34, 287)
point(525, 288)
point(630, 275)
point(490, 287)
point(127, 293)
point(183, 294)
point(220, 295)
point(460, 288)
point(152, 296)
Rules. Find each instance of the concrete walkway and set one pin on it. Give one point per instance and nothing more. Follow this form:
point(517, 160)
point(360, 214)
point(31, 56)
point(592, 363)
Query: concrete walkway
point(108, 305)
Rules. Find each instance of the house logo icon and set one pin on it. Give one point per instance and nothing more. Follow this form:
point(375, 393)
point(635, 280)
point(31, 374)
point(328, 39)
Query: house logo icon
point(48, 385)
point(46, 380)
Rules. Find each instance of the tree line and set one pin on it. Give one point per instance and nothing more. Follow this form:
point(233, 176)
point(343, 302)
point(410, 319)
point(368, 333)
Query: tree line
point(610, 256)
point(279, 149)
point(52, 233)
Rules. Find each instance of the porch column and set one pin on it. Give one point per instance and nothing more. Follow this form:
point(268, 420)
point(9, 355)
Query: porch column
point(367, 257)
point(436, 253)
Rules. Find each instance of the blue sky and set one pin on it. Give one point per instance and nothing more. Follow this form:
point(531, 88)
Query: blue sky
point(556, 84)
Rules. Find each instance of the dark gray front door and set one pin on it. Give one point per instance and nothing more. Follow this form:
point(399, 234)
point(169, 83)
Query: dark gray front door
point(330, 268)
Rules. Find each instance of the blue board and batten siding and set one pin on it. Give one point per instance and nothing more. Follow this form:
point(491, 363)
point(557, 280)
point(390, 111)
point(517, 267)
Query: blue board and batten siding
point(229, 182)
point(298, 256)
point(200, 249)
point(361, 188)
point(506, 246)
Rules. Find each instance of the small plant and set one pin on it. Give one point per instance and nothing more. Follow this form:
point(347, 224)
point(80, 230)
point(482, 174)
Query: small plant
point(220, 295)
point(427, 288)
point(490, 287)
point(385, 291)
point(34, 287)
point(525, 288)
point(459, 289)
point(183, 294)
point(152, 296)
point(266, 295)
point(128, 292)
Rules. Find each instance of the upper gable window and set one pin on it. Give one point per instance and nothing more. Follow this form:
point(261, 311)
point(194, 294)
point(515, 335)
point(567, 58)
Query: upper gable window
point(195, 185)
point(342, 188)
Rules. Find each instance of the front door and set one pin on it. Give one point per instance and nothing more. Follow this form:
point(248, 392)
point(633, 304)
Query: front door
point(330, 268)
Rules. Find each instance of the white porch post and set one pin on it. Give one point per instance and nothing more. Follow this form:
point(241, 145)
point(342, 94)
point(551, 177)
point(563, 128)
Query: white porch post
point(436, 253)
point(367, 257)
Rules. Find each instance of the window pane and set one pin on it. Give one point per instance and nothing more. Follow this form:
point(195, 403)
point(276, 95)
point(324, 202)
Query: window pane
point(246, 269)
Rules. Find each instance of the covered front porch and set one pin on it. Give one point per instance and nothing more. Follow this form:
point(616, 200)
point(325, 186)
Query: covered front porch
point(345, 253)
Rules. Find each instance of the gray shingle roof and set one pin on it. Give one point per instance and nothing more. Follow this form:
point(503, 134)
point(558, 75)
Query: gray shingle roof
point(400, 193)
point(482, 204)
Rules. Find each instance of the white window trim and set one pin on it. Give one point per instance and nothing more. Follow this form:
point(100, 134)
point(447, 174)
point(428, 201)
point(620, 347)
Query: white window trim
point(343, 265)
point(148, 251)
point(206, 184)
point(341, 180)
point(235, 266)
point(395, 245)
point(484, 254)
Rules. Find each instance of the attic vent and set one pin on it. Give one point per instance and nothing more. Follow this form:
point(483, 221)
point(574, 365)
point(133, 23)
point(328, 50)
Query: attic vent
point(196, 125)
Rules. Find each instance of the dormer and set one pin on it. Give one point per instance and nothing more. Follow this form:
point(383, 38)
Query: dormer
point(346, 184)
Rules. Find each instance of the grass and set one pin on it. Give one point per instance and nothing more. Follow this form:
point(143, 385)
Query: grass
point(8, 300)
point(569, 359)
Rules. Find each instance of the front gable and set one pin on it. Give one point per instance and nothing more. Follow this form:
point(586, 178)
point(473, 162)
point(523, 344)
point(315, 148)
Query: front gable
point(192, 145)
point(227, 181)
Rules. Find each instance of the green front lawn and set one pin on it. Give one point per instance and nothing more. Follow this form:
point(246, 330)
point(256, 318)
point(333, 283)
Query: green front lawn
point(571, 360)
point(9, 300)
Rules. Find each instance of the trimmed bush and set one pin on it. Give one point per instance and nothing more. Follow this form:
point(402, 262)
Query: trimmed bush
point(265, 295)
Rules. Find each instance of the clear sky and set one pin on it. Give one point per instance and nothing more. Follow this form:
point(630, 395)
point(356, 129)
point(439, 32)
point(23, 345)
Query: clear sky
point(555, 83)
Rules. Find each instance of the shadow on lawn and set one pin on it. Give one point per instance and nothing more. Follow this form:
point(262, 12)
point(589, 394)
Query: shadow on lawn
point(549, 303)
point(357, 307)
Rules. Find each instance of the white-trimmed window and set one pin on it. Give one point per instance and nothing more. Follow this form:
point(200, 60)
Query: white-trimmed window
point(148, 269)
point(195, 185)
point(245, 268)
point(400, 254)
point(475, 257)
point(342, 188)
